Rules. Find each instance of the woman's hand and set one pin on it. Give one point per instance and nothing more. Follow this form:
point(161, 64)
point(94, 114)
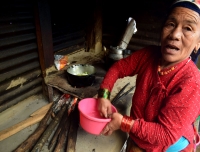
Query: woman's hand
point(104, 107)
point(113, 125)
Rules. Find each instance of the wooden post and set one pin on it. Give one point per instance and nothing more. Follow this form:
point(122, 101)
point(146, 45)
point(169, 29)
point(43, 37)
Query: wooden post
point(44, 35)
point(98, 27)
point(94, 29)
point(90, 29)
point(44, 40)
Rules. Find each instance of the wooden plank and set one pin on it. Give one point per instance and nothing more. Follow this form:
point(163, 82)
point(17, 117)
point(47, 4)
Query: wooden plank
point(32, 139)
point(44, 109)
point(21, 125)
point(34, 118)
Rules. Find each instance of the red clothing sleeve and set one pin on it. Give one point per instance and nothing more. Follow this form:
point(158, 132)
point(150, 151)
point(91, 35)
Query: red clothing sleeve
point(125, 67)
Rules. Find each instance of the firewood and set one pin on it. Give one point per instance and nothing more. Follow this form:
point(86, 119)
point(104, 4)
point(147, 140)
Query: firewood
point(58, 129)
point(64, 131)
point(63, 121)
point(32, 139)
point(62, 136)
point(68, 99)
point(72, 135)
point(46, 134)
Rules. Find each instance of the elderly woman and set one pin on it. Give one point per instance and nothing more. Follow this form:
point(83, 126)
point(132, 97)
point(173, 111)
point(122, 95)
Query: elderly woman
point(166, 101)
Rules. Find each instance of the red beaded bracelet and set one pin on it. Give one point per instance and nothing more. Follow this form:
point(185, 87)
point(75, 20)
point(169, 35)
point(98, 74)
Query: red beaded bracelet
point(126, 124)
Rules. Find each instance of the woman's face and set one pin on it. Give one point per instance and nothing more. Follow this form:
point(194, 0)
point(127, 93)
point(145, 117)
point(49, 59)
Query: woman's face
point(180, 35)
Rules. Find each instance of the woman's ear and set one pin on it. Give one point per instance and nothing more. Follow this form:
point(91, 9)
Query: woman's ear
point(197, 46)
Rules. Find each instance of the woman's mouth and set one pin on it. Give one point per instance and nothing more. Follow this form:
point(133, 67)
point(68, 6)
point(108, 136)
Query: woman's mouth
point(171, 49)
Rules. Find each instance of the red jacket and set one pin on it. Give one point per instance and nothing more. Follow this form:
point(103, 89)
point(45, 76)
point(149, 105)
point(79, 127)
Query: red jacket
point(165, 106)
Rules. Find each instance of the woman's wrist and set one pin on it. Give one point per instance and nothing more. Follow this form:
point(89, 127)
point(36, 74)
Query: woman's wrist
point(104, 93)
point(126, 124)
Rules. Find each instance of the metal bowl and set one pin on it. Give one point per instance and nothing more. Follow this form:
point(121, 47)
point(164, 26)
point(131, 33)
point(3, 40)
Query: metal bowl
point(81, 75)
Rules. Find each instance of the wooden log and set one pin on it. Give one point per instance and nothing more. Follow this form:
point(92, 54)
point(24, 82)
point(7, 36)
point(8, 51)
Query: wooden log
point(46, 134)
point(63, 122)
point(62, 136)
point(31, 140)
point(58, 130)
point(72, 135)
point(64, 130)
point(21, 125)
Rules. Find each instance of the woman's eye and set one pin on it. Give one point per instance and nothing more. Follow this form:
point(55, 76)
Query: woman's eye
point(188, 29)
point(169, 24)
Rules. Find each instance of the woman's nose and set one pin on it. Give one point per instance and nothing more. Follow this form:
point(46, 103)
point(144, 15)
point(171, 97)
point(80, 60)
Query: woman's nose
point(176, 33)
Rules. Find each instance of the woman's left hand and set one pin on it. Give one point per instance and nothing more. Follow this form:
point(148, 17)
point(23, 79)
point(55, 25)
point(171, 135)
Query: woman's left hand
point(113, 125)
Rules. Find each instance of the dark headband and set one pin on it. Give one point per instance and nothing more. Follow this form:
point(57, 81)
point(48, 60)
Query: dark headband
point(186, 4)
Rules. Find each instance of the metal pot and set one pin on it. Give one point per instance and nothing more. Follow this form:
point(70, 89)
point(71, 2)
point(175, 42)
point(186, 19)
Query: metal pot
point(80, 75)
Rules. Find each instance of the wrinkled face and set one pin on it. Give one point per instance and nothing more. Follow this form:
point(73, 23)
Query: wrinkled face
point(180, 35)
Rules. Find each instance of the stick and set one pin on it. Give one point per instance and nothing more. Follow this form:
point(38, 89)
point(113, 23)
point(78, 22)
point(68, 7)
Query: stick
point(25, 123)
point(64, 131)
point(21, 125)
point(119, 93)
point(62, 136)
point(71, 144)
point(57, 132)
point(62, 122)
point(31, 140)
point(41, 110)
point(49, 130)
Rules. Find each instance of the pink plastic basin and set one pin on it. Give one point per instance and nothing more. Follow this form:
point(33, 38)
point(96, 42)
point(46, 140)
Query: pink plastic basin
point(90, 119)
